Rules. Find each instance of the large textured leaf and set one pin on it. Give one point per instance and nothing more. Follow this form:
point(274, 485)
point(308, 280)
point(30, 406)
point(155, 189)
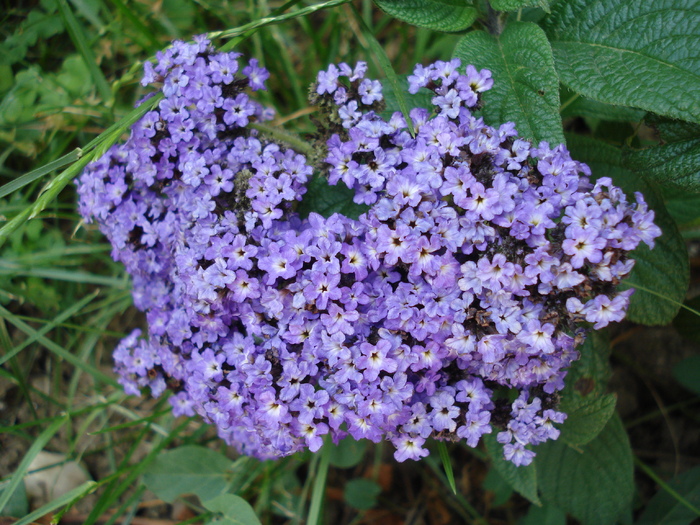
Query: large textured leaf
point(441, 15)
point(665, 508)
point(575, 105)
point(586, 418)
point(526, 89)
point(683, 205)
point(321, 197)
point(522, 479)
point(188, 470)
point(630, 52)
point(660, 275)
point(596, 485)
point(675, 163)
point(584, 401)
point(514, 5)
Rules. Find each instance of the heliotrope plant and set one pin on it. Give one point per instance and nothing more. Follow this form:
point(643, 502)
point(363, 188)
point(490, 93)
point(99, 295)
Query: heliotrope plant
point(450, 309)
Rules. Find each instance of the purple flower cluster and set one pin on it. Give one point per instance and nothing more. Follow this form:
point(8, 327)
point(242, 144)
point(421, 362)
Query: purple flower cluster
point(474, 273)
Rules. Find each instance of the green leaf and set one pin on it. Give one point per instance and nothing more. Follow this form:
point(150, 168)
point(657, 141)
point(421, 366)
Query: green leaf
point(514, 5)
point(665, 508)
point(687, 322)
point(583, 399)
point(347, 453)
point(522, 479)
point(188, 470)
point(234, 510)
point(588, 377)
point(630, 53)
point(440, 15)
point(422, 99)
point(575, 105)
point(525, 89)
point(321, 197)
point(586, 418)
point(595, 486)
point(676, 163)
point(499, 486)
point(80, 41)
point(447, 465)
point(661, 275)
point(361, 493)
point(545, 515)
point(687, 373)
point(682, 205)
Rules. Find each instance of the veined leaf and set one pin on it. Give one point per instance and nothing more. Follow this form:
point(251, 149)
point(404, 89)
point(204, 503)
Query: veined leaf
point(188, 470)
point(661, 275)
point(514, 5)
point(526, 88)
point(595, 486)
point(676, 163)
point(522, 479)
point(440, 15)
point(630, 53)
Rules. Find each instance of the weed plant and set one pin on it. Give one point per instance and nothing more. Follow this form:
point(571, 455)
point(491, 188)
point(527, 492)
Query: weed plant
point(69, 83)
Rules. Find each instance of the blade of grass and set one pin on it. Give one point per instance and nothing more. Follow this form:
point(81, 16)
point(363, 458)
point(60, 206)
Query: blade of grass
point(19, 376)
point(462, 504)
point(275, 19)
point(115, 491)
point(36, 447)
point(116, 397)
point(95, 148)
point(319, 490)
point(33, 175)
point(140, 28)
point(58, 350)
point(447, 465)
point(58, 256)
point(66, 314)
point(298, 517)
point(679, 498)
point(385, 65)
point(67, 499)
point(130, 424)
point(65, 275)
point(79, 39)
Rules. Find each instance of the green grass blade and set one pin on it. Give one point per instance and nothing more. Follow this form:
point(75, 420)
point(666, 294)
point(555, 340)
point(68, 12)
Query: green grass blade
point(56, 349)
point(275, 19)
point(665, 486)
point(447, 465)
point(140, 28)
point(33, 175)
point(96, 148)
point(36, 447)
point(385, 65)
point(58, 274)
point(319, 490)
point(78, 37)
point(73, 495)
point(66, 314)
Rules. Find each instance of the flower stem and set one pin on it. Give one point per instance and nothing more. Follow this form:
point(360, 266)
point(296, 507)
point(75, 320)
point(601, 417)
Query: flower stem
point(286, 137)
